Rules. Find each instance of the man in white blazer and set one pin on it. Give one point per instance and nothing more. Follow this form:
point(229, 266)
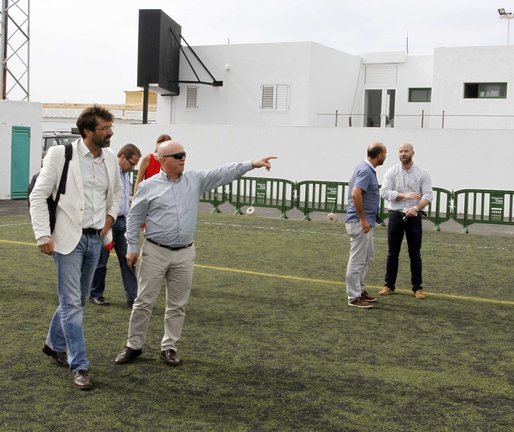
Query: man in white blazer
point(84, 215)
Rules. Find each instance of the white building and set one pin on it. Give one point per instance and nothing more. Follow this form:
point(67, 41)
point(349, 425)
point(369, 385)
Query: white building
point(455, 106)
point(304, 84)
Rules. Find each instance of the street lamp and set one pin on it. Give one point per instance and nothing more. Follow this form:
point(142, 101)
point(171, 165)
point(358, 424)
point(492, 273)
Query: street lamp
point(508, 16)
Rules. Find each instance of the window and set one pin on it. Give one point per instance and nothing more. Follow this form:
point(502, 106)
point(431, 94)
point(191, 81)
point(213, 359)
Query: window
point(192, 97)
point(275, 97)
point(485, 90)
point(420, 94)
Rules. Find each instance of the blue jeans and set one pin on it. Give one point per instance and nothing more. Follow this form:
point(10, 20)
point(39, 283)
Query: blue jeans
point(74, 276)
point(128, 275)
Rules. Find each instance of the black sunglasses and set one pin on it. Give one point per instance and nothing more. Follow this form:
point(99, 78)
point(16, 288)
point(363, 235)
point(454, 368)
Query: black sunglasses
point(177, 156)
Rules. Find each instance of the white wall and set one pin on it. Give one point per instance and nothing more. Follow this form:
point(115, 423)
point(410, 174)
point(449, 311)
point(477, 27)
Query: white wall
point(324, 79)
point(455, 66)
point(25, 114)
point(416, 72)
point(456, 159)
point(333, 85)
point(321, 79)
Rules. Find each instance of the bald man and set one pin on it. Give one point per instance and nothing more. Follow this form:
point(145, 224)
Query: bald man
point(408, 188)
point(361, 217)
point(168, 204)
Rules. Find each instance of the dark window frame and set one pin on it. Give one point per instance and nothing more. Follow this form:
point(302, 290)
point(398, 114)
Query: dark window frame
point(480, 90)
point(427, 90)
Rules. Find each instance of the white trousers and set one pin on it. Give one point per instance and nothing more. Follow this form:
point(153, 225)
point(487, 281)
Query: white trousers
point(362, 252)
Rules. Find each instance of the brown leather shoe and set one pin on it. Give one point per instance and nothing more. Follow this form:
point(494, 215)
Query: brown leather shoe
point(170, 357)
point(367, 297)
point(59, 358)
point(127, 355)
point(360, 303)
point(420, 295)
point(81, 380)
point(385, 291)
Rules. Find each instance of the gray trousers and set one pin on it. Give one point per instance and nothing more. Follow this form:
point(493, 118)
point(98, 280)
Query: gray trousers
point(176, 269)
point(362, 251)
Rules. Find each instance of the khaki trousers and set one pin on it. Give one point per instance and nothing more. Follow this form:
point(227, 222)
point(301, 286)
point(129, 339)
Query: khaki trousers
point(362, 252)
point(159, 264)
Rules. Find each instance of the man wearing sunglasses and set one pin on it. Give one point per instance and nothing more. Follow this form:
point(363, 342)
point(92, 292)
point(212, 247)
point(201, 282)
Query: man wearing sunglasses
point(168, 204)
point(128, 158)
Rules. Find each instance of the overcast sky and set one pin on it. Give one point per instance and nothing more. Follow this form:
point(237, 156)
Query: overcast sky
point(86, 50)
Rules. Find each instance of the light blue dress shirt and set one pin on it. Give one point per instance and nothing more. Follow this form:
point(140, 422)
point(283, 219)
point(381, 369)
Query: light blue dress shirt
point(169, 208)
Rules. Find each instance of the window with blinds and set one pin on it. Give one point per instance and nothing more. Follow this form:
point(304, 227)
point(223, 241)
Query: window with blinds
point(275, 97)
point(192, 97)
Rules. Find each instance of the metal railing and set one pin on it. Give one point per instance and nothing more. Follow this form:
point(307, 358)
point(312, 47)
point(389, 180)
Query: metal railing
point(319, 196)
point(216, 197)
point(440, 120)
point(465, 206)
point(483, 206)
point(262, 192)
point(440, 209)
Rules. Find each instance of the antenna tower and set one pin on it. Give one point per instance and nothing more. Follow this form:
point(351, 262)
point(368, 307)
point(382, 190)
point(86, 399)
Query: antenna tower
point(14, 50)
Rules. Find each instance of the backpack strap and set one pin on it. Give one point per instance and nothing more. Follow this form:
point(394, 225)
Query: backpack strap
point(68, 154)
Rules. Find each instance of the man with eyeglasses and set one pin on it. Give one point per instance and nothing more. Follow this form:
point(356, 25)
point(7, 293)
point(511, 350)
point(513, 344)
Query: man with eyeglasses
point(128, 158)
point(85, 213)
point(168, 204)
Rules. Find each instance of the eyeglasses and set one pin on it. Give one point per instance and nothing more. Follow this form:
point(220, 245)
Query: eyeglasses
point(176, 156)
point(130, 162)
point(105, 128)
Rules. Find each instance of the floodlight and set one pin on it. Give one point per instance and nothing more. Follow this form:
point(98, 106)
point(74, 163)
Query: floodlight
point(508, 16)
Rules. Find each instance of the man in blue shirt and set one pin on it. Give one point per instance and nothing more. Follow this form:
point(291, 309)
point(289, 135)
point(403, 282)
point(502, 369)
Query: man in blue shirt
point(361, 216)
point(167, 204)
point(128, 158)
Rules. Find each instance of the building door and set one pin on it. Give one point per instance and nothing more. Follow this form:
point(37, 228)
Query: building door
point(390, 102)
point(372, 108)
point(20, 162)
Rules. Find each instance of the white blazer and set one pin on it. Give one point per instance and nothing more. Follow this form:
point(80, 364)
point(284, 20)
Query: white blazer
point(70, 209)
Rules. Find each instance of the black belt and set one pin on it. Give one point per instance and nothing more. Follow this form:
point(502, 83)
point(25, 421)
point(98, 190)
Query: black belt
point(420, 212)
point(90, 231)
point(173, 248)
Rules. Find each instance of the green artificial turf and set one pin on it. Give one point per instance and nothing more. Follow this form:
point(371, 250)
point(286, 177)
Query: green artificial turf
point(269, 343)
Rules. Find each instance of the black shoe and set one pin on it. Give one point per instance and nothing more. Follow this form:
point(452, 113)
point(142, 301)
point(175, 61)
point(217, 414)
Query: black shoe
point(81, 380)
point(127, 355)
point(130, 303)
point(59, 358)
point(170, 357)
point(100, 301)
